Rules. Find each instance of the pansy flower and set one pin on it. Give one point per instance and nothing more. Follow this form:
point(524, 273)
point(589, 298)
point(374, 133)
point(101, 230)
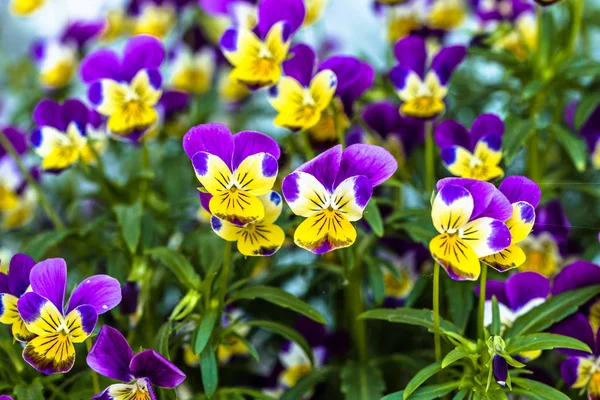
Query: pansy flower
point(58, 59)
point(501, 10)
point(127, 89)
point(66, 133)
point(152, 17)
point(111, 356)
point(469, 215)
point(25, 7)
point(259, 238)
point(12, 286)
point(332, 190)
point(58, 327)
point(193, 64)
point(589, 131)
point(407, 260)
point(422, 88)
point(256, 55)
point(524, 196)
point(301, 96)
point(472, 154)
point(234, 169)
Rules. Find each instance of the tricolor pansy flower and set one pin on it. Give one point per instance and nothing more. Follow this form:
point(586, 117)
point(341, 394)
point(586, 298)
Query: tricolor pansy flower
point(422, 88)
point(301, 95)
point(524, 196)
point(258, 238)
point(256, 55)
point(501, 10)
point(12, 286)
point(193, 64)
point(25, 7)
point(332, 190)
point(127, 89)
point(469, 216)
point(589, 131)
point(57, 59)
point(234, 169)
point(66, 133)
point(111, 356)
point(520, 39)
point(405, 18)
point(58, 327)
point(475, 153)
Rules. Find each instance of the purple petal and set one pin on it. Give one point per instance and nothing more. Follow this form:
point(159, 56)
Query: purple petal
point(523, 287)
point(205, 200)
point(452, 133)
point(301, 65)
point(569, 114)
point(482, 192)
point(49, 113)
point(576, 326)
point(369, 160)
point(494, 288)
point(88, 317)
point(141, 52)
point(486, 124)
point(172, 101)
point(500, 368)
point(130, 293)
point(551, 217)
point(314, 332)
point(520, 188)
point(248, 143)
point(81, 32)
point(4, 283)
point(49, 279)
point(101, 64)
point(111, 355)
point(74, 110)
point(160, 371)
point(575, 276)
point(499, 207)
point(347, 70)
point(381, 117)
point(18, 274)
point(30, 306)
point(16, 138)
point(105, 395)
point(411, 53)
point(324, 167)
point(364, 80)
point(212, 138)
point(569, 369)
point(272, 11)
point(446, 61)
point(99, 291)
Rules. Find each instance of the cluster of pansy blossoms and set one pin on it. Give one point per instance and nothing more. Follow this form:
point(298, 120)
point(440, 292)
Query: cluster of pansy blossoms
point(282, 199)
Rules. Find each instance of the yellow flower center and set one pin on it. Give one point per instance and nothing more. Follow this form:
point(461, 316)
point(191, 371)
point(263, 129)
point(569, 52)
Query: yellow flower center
point(396, 287)
point(423, 107)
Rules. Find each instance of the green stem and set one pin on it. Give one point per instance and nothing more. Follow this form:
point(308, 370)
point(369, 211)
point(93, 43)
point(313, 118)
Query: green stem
point(436, 311)
point(354, 299)
point(95, 379)
point(429, 150)
point(577, 16)
point(224, 278)
point(50, 212)
point(533, 159)
point(305, 145)
point(480, 313)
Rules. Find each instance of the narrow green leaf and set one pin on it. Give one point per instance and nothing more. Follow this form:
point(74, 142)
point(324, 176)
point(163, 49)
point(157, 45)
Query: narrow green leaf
point(361, 382)
point(461, 394)
point(43, 242)
point(553, 310)
point(209, 371)
point(205, 329)
point(251, 349)
point(430, 392)
point(373, 217)
point(304, 385)
point(516, 133)
point(129, 218)
point(539, 389)
point(410, 316)
point(243, 391)
point(178, 265)
point(161, 343)
point(496, 322)
point(455, 355)
point(585, 108)
point(285, 331)
point(279, 297)
point(573, 145)
point(420, 378)
point(544, 341)
point(460, 298)
point(30, 391)
point(375, 281)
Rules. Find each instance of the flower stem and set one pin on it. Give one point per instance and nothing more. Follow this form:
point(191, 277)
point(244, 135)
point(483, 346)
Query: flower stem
point(224, 277)
point(358, 331)
point(305, 145)
point(480, 313)
point(50, 212)
point(576, 18)
point(95, 379)
point(429, 149)
point(436, 311)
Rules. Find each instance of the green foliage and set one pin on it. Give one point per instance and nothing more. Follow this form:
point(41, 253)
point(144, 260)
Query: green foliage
point(373, 217)
point(31, 391)
point(421, 377)
point(209, 370)
point(178, 265)
point(129, 218)
point(286, 332)
point(361, 382)
point(544, 341)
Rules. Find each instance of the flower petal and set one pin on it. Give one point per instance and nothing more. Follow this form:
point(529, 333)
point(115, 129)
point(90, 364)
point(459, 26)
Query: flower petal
point(511, 257)
point(101, 64)
point(48, 113)
point(260, 239)
point(411, 53)
point(100, 291)
point(239, 207)
point(139, 390)
point(575, 276)
point(49, 280)
point(452, 133)
point(212, 172)
point(576, 371)
point(160, 371)
point(482, 193)
point(211, 138)
point(81, 322)
point(351, 197)
point(486, 236)
point(141, 52)
point(325, 231)
point(18, 273)
point(273, 205)
point(110, 355)
point(489, 150)
point(458, 161)
point(9, 313)
point(39, 314)
point(446, 61)
point(452, 208)
point(301, 65)
point(486, 124)
point(324, 167)
point(272, 11)
point(369, 160)
point(224, 229)
point(304, 194)
point(551, 217)
point(107, 96)
point(248, 143)
point(256, 174)
point(146, 85)
point(322, 88)
point(455, 256)
point(524, 287)
point(576, 326)
point(50, 354)
point(520, 188)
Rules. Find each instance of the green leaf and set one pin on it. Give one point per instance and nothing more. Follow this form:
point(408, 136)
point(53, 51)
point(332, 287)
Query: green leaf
point(496, 322)
point(285, 331)
point(554, 309)
point(205, 329)
point(420, 378)
point(279, 297)
point(375, 281)
point(430, 392)
point(129, 218)
point(539, 388)
point(410, 316)
point(31, 391)
point(161, 343)
point(178, 265)
point(573, 145)
point(304, 385)
point(544, 341)
point(361, 382)
point(459, 297)
point(43, 242)
point(584, 109)
point(373, 217)
point(461, 394)
point(209, 371)
point(420, 285)
point(242, 391)
point(251, 349)
point(516, 133)
point(455, 355)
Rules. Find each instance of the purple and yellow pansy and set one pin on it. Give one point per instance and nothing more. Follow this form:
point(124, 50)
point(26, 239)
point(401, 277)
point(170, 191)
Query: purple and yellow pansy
point(234, 169)
point(258, 238)
point(152, 17)
point(256, 55)
point(12, 286)
point(332, 190)
point(58, 327)
point(301, 96)
point(111, 356)
point(422, 88)
point(469, 216)
point(193, 64)
point(127, 89)
point(474, 154)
